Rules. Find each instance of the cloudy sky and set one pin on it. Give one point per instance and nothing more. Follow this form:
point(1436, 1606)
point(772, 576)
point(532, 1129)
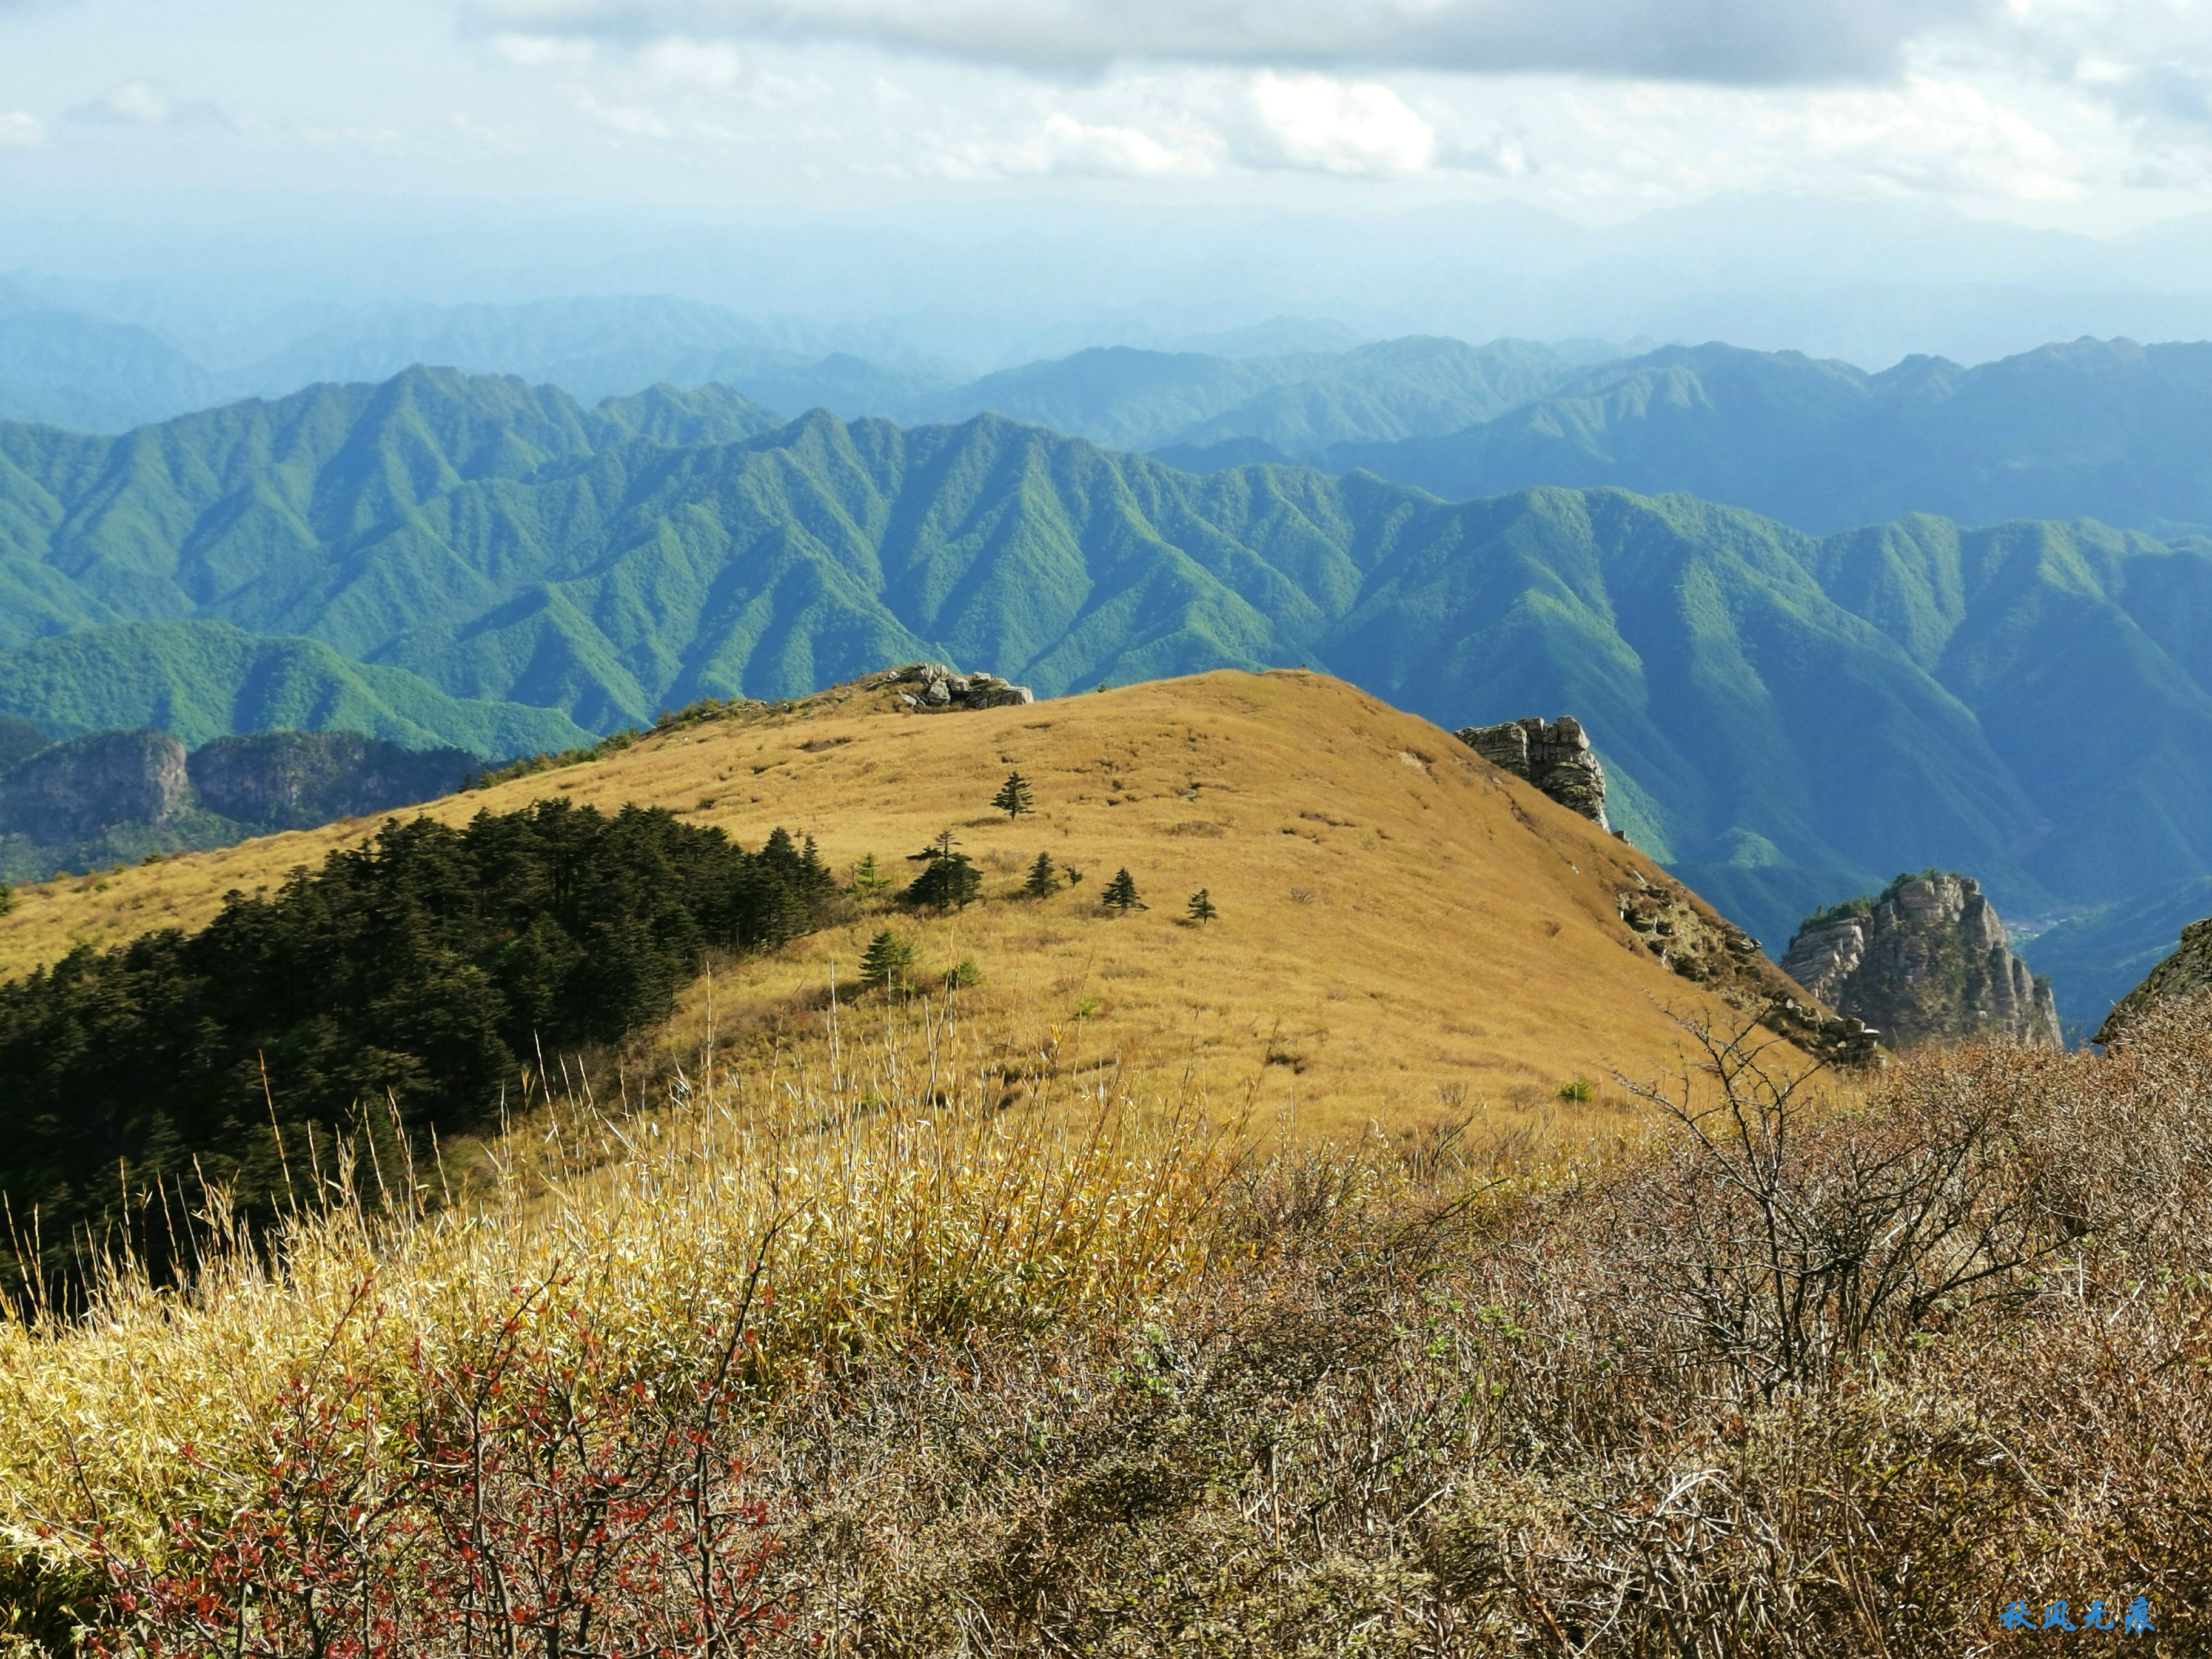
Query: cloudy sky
point(2094, 115)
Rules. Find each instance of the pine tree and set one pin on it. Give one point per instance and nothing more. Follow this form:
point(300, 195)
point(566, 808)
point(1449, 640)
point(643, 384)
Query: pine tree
point(7, 897)
point(886, 961)
point(868, 880)
point(1201, 907)
point(1043, 882)
point(1075, 876)
point(1013, 796)
point(949, 882)
point(1121, 894)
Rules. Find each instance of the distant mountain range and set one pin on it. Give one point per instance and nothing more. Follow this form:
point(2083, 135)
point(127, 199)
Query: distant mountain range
point(2105, 429)
point(1788, 717)
point(1294, 388)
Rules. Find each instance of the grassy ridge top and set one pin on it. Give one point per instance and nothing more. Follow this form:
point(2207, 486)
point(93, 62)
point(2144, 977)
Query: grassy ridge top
point(1404, 930)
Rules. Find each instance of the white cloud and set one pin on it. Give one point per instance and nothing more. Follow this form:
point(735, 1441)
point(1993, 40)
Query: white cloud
point(1066, 145)
point(1746, 41)
point(692, 65)
point(1940, 137)
point(544, 52)
point(135, 104)
point(1075, 146)
point(19, 131)
point(627, 119)
point(1317, 122)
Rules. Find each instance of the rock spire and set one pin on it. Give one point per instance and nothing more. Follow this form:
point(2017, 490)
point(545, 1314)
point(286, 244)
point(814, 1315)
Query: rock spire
point(1926, 959)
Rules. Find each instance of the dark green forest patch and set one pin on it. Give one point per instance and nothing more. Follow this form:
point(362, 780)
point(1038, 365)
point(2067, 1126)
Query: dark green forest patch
point(396, 993)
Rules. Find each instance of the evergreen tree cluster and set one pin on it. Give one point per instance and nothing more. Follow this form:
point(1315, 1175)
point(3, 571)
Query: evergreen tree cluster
point(425, 969)
point(948, 881)
point(1121, 894)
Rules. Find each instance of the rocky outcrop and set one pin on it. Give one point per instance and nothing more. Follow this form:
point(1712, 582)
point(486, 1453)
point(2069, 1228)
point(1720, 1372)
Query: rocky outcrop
point(77, 789)
point(1554, 756)
point(929, 686)
point(2187, 973)
point(1705, 948)
point(297, 780)
point(1927, 959)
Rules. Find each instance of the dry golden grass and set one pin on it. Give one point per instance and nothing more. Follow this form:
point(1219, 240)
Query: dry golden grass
point(1404, 931)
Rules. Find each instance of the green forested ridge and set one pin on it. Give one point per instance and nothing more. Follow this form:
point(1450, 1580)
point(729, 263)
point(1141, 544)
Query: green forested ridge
point(199, 680)
point(1792, 717)
point(415, 976)
point(114, 798)
point(2106, 429)
point(1419, 385)
point(1297, 404)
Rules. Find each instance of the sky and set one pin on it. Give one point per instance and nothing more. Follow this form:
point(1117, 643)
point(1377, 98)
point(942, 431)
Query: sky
point(2090, 115)
point(1859, 177)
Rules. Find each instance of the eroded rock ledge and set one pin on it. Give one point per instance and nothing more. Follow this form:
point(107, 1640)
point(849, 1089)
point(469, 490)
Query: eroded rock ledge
point(935, 686)
point(1709, 950)
point(1554, 756)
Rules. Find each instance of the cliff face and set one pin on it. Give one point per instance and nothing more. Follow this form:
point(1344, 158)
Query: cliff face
point(297, 780)
point(75, 789)
point(2187, 972)
point(1926, 960)
point(1553, 755)
point(116, 796)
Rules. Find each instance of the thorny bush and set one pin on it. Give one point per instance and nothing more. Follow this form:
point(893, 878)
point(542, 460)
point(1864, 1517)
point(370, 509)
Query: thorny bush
point(1805, 1376)
point(519, 1501)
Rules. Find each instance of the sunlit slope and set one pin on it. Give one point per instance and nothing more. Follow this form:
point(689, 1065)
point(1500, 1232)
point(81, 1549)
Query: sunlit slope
point(1402, 927)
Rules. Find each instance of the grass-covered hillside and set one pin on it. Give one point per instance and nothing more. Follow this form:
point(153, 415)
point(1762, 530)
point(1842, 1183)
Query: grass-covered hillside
point(1402, 927)
point(1133, 1284)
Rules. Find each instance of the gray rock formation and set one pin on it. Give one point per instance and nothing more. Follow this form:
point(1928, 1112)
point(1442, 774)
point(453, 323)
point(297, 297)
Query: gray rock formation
point(1554, 756)
point(925, 685)
point(77, 789)
point(297, 780)
point(1696, 941)
point(2187, 973)
point(113, 797)
point(1925, 960)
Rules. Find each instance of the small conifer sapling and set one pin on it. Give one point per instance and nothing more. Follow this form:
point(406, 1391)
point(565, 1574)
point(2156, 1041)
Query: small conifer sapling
point(868, 881)
point(1013, 796)
point(886, 961)
point(1044, 880)
point(1203, 907)
point(1121, 894)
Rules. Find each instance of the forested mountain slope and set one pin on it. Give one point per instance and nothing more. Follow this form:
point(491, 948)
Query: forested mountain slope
point(2097, 428)
point(199, 680)
point(1786, 717)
